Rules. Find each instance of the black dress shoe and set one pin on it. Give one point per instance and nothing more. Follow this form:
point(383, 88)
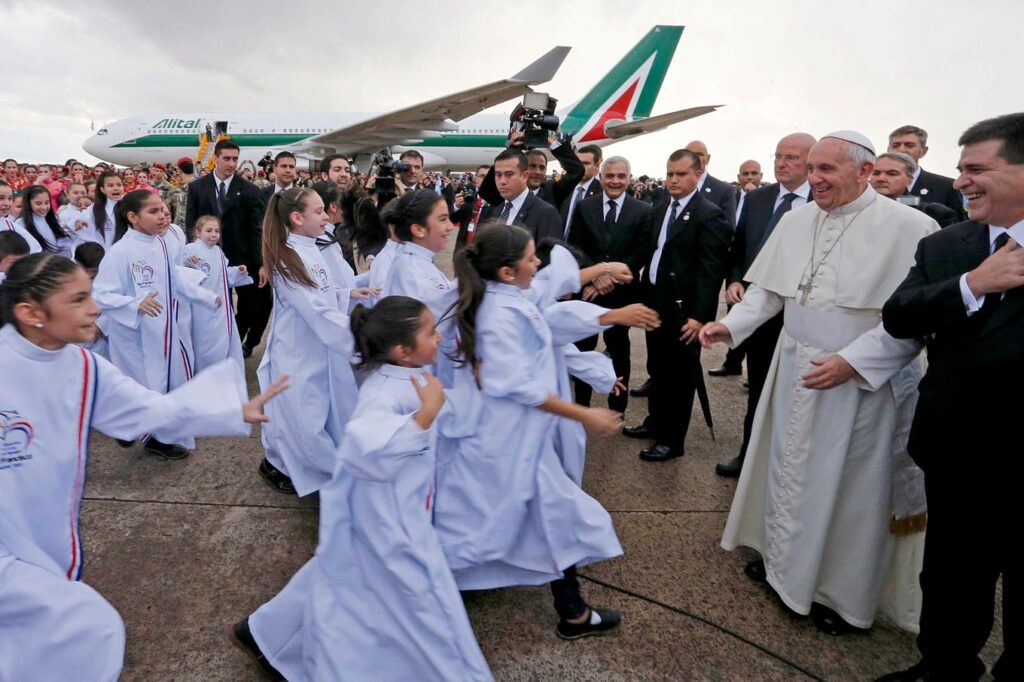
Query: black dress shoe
point(638, 431)
point(755, 570)
point(830, 622)
point(725, 371)
point(660, 453)
point(610, 620)
point(641, 391)
point(276, 478)
point(730, 469)
point(164, 450)
point(125, 443)
point(246, 351)
point(915, 673)
point(240, 635)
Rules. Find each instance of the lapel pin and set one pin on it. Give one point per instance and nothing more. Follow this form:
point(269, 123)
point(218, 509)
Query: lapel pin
point(924, 191)
point(707, 189)
point(686, 216)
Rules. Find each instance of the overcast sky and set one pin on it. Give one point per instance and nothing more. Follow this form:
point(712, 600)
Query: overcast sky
point(779, 67)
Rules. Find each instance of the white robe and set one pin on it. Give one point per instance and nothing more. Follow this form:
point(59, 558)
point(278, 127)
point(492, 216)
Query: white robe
point(150, 350)
point(214, 332)
point(815, 494)
point(64, 244)
point(104, 234)
point(383, 604)
point(53, 627)
point(507, 513)
point(8, 223)
point(309, 341)
point(414, 274)
point(380, 268)
point(344, 278)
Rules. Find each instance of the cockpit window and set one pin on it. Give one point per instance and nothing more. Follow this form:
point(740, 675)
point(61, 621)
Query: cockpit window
point(101, 131)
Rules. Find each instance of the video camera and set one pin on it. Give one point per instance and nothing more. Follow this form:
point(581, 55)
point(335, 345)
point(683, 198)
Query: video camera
point(385, 168)
point(535, 118)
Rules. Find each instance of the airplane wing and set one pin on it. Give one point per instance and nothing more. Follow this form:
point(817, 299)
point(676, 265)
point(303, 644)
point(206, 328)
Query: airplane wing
point(427, 119)
point(617, 130)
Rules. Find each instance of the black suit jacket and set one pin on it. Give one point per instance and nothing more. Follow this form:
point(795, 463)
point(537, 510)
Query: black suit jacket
point(593, 189)
point(692, 263)
point(555, 192)
point(970, 359)
point(750, 235)
point(625, 241)
point(537, 217)
point(241, 223)
point(939, 188)
point(722, 195)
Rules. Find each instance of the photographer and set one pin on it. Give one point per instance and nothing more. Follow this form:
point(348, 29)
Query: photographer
point(468, 205)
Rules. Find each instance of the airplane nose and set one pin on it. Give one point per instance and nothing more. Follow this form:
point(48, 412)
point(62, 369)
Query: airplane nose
point(91, 146)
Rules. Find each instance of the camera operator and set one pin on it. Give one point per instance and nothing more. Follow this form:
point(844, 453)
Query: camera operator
point(468, 205)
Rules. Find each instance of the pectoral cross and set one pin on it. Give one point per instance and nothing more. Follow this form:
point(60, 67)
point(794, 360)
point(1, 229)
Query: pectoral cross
point(805, 290)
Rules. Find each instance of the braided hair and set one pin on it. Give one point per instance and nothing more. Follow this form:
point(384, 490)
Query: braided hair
point(33, 279)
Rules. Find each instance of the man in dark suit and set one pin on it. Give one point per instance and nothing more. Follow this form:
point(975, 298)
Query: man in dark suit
point(518, 205)
point(554, 192)
point(892, 176)
point(612, 226)
point(237, 203)
point(685, 262)
point(284, 176)
point(913, 141)
point(965, 297)
point(718, 192)
point(762, 210)
point(588, 185)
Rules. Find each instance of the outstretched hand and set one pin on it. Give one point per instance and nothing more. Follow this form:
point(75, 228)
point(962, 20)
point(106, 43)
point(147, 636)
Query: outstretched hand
point(252, 411)
point(363, 293)
point(602, 422)
point(632, 315)
point(619, 387)
point(714, 332)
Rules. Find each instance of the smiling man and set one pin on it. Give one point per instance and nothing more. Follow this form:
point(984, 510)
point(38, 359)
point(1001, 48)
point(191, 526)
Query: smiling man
point(815, 494)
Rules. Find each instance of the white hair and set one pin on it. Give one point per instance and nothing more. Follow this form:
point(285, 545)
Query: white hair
point(860, 155)
point(906, 159)
point(617, 159)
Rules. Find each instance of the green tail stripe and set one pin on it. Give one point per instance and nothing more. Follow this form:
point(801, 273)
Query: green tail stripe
point(661, 40)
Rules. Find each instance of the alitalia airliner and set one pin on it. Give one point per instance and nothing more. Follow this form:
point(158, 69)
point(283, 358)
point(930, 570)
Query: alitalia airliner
point(449, 131)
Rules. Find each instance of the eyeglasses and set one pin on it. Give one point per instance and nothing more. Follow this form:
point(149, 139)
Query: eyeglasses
point(788, 158)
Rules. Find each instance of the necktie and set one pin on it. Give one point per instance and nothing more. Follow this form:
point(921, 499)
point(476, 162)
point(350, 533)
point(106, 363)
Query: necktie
point(787, 203)
point(674, 214)
point(572, 205)
point(221, 198)
point(506, 211)
point(652, 271)
point(609, 217)
point(992, 300)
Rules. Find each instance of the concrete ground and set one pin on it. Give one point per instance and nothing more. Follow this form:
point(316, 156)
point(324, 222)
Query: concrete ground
point(182, 549)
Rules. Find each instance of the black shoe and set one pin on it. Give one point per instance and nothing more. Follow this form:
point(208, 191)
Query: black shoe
point(915, 673)
point(660, 453)
point(755, 570)
point(610, 620)
point(641, 391)
point(240, 635)
point(275, 478)
point(164, 450)
point(830, 622)
point(638, 431)
point(730, 469)
point(246, 350)
point(725, 371)
point(125, 443)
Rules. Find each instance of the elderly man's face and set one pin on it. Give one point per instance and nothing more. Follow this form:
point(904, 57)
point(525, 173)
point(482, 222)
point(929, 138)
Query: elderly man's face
point(614, 179)
point(909, 145)
point(749, 176)
point(890, 178)
point(835, 179)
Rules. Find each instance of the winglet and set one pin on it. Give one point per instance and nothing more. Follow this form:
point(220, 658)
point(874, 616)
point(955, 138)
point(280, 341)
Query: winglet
point(544, 69)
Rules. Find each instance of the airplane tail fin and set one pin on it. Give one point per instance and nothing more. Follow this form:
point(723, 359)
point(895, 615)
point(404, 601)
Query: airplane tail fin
point(628, 91)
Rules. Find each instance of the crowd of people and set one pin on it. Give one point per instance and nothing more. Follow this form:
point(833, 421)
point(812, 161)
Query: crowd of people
point(444, 422)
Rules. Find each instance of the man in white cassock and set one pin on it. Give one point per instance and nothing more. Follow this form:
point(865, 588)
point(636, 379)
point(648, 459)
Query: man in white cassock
point(822, 478)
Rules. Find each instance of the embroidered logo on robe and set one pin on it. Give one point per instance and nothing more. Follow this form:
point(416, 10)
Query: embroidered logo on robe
point(142, 273)
point(15, 436)
point(203, 265)
point(320, 277)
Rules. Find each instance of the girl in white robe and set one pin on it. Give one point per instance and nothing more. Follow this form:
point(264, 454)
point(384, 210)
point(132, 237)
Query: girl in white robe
point(383, 604)
point(214, 332)
point(507, 513)
point(421, 222)
point(102, 217)
point(40, 222)
point(309, 340)
point(190, 284)
point(52, 394)
point(137, 287)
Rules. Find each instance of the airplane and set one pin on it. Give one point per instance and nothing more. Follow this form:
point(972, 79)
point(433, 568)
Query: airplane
point(448, 131)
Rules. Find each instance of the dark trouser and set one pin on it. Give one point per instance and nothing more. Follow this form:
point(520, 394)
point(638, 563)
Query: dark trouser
point(673, 365)
point(253, 313)
point(616, 340)
point(566, 592)
point(974, 522)
point(760, 349)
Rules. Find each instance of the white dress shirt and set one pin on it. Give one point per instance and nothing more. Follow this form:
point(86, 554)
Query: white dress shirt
point(618, 204)
point(517, 204)
point(663, 234)
point(803, 195)
point(973, 304)
point(573, 198)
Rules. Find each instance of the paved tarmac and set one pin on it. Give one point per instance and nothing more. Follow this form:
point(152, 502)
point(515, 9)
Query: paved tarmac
point(182, 549)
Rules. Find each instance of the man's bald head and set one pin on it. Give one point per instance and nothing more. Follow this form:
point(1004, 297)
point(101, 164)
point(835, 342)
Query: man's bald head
point(791, 159)
point(701, 150)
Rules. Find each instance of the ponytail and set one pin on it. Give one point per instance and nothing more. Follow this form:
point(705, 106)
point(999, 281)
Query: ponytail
point(278, 257)
point(413, 208)
point(496, 246)
point(394, 321)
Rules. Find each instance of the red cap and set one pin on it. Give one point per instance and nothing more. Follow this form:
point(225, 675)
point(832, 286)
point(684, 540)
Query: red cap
point(161, 166)
point(184, 159)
